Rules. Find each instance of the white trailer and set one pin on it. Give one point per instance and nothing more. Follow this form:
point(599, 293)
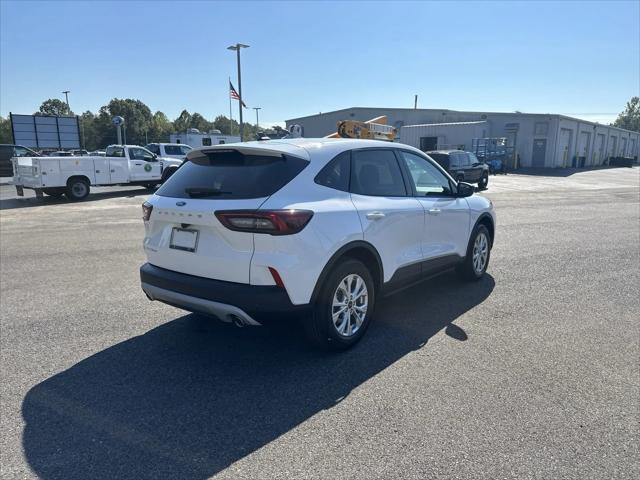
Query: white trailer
point(73, 176)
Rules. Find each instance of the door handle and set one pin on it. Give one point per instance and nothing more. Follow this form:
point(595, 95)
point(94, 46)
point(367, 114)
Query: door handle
point(375, 215)
point(434, 211)
point(138, 164)
point(113, 171)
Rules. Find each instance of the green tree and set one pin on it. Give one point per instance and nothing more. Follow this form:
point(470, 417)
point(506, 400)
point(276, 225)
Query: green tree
point(225, 125)
point(137, 121)
point(5, 131)
point(201, 123)
point(53, 106)
point(161, 128)
point(630, 118)
point(88, 132)
point(183, 122)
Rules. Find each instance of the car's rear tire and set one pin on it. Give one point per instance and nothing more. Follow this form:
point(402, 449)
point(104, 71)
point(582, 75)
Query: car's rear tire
point(344, 308)
point(151, 186)
point(77, 189)
point(484, 181)
point(476, 261)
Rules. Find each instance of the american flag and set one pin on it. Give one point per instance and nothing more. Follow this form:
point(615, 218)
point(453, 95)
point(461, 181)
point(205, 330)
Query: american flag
point(234, 95)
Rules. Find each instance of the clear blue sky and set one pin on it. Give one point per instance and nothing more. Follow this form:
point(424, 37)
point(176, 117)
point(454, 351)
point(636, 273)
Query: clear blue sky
point(580, 58)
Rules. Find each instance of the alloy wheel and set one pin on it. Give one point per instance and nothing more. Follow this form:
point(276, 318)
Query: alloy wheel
point(349, 305)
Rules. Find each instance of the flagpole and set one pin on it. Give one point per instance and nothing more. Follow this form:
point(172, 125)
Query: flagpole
point(230, 113)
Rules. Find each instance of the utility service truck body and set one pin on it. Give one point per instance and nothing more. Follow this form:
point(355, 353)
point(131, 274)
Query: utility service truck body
point(73, 176)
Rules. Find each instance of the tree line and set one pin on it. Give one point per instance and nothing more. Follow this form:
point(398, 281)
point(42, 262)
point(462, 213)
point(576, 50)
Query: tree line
point(142, 125)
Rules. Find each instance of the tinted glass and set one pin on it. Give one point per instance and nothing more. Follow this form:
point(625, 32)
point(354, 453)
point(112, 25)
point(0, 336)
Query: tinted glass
point(6, 152)
point(426, 177)
point(336, 173)
point(173, 150)
point(472, 158)
point(465, 161)
point(114, 152)
point(377, 173)
point(229, 174)
point(456, 160)
point(185, 149)
point(441, 158)
point(153, 148)
point(206, 142)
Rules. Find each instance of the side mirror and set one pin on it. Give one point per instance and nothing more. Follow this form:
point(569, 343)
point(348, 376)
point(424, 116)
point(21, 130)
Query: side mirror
point(465, 190)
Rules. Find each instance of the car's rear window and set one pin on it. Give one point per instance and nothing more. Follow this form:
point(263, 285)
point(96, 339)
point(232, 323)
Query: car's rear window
point(230, 174)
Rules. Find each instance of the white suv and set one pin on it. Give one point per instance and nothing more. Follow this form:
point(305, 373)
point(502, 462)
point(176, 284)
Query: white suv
point(317, 227)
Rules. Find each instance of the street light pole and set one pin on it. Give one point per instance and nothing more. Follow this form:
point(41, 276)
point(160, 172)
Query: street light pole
point(257, 122)
point(237, 48)
point(66, 96)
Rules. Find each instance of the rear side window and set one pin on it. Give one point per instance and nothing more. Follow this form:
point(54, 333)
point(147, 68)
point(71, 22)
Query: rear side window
point(114, 152)
point(376, 173)
point(173, 150)
point(230, 174)
point(441, 159)
point(335, 174)
point(153, 148)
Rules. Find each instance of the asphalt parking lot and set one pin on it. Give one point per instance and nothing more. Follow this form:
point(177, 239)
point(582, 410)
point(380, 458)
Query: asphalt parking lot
point(532, 372)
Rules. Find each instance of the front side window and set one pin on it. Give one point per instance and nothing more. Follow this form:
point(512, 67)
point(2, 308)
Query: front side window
point(335, 174)
point(140, 154)
point(206, 142)
point(376, 173)
point(185, 149)
point(426, 177)
point(472, 158)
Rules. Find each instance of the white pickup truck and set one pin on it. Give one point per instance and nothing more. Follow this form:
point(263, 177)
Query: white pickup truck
point(73, 176)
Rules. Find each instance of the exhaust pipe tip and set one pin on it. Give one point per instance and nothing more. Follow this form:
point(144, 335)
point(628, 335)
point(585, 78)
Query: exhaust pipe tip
point(237, 321)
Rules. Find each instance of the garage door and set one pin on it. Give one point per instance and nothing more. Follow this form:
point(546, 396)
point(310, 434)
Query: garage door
point(563, 158)
point(583, 148)
point(598, 153)
point(623, 147)
point(613, 144)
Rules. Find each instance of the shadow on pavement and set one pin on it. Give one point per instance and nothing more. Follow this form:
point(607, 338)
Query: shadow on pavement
point(32, 201)
point(559, 172)
point(189, 398)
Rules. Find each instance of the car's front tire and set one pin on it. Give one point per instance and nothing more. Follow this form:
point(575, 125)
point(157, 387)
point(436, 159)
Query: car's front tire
point(476, 261)
point(344, 308)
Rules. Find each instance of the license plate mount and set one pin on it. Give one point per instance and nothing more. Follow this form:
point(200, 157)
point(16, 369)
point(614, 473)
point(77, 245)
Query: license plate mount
point(184, 239)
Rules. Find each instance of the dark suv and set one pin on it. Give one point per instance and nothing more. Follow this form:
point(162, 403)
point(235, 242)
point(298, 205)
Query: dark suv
point(463, 166)
point(7, 152)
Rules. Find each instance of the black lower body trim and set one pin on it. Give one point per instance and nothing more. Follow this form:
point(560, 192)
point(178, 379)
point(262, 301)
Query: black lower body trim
point(260, 302)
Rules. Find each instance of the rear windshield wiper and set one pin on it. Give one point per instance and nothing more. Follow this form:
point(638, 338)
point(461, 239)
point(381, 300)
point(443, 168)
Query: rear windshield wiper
point(204, 192)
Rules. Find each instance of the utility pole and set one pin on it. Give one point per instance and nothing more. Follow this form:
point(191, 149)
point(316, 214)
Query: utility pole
point(66, 96)
point(237, 48)
point(415, 102)
point(257, 122)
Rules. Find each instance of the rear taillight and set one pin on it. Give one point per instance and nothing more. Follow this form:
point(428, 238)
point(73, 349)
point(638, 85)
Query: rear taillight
point(273, 222)
point(147, 208)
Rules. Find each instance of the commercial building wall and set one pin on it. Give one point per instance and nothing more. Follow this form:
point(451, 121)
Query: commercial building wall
point(540, 140)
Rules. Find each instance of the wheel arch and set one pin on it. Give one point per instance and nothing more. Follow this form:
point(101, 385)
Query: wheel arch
point(486, 220)
point(359, 250)
point(80, 177)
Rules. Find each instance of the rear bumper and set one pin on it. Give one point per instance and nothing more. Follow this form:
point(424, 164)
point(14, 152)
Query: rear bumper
point(228, 301)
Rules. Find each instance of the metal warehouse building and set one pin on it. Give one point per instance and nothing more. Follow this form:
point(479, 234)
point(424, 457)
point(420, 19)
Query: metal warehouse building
point(539, 140)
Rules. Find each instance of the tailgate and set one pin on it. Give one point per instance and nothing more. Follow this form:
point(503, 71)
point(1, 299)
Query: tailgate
point(185, 236)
